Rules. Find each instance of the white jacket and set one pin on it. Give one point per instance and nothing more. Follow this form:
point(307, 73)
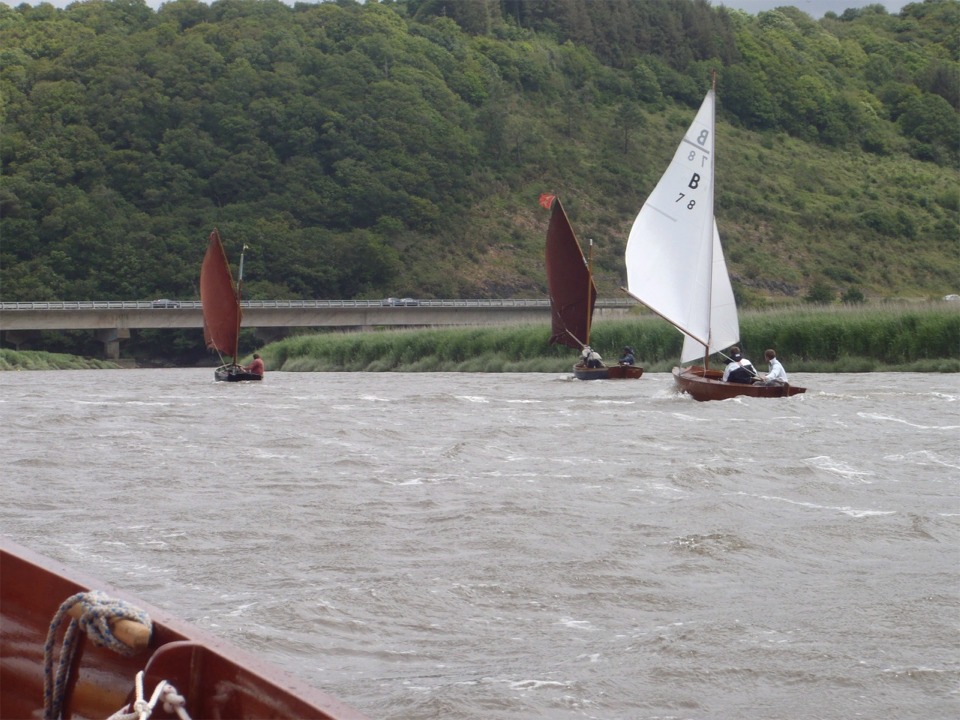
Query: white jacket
point(777, 373)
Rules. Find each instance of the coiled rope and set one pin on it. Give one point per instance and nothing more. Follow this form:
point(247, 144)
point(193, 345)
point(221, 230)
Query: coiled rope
point(98, 610)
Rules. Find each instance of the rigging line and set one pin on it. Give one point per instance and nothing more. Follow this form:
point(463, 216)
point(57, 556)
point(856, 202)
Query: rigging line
point(664, 317)
point(752, 370)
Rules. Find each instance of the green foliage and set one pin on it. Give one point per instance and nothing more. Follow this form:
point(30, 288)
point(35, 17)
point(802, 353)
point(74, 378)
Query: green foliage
point(923, 338)
point(820, 293)
point(376, 149)
point(38, 360)
point(853, 296)
point(894, 335)
point(848, 338)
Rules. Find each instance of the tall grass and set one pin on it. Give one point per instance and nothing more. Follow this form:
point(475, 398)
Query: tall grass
point(39, 360)
point(895, 337)
point(860, 338)
point(886, 337)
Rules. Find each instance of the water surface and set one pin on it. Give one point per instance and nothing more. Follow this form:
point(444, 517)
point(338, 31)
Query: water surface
point(513, 546)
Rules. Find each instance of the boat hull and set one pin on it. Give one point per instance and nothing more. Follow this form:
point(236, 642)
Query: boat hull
point(234, 373)
point(624, 372)
point(217, 679)
point(614, 372)
point(705, 385)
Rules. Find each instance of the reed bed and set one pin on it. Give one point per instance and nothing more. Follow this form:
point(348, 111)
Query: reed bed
point(886, 337)
point(39, 360)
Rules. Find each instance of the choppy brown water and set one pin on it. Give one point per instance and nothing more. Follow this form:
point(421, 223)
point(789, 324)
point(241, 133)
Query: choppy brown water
point(520, 546)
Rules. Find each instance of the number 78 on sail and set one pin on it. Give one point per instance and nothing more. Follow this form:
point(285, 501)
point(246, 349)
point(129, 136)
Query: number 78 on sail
point(671, 251)
point(702, 156)
point(687, 185)
point(675, 262)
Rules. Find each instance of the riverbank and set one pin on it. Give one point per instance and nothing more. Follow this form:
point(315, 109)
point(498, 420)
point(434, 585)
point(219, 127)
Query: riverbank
point(888, 337)
point(39, 360)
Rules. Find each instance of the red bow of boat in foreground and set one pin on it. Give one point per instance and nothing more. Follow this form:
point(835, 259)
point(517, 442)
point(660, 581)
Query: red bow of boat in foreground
point(213, 678)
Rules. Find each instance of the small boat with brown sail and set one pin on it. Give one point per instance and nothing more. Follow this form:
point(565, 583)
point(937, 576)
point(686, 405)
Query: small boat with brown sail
point(573, 295)
point(222, 315)
point(74, 647)
point(675, 266)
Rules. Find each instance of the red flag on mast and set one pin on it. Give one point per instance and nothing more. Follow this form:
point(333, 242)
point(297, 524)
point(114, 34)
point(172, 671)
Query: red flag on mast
point(546, 200)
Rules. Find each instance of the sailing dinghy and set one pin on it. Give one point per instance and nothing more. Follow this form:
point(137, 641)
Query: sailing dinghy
point(220, 298)
point(675, 265)
point(99, 651)
point(573, 294)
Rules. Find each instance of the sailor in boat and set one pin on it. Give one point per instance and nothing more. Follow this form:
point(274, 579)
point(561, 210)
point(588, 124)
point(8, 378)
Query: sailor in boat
point(256, 367)
point(777, 375)
point(739, 369)
point(628, 357)
point(590, 357)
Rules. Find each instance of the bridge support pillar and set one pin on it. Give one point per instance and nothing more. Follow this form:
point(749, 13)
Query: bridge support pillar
point(111, 338)
point(18, 337)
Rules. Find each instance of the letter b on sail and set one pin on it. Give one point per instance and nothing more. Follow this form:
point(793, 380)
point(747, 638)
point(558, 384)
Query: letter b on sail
point(694, 181)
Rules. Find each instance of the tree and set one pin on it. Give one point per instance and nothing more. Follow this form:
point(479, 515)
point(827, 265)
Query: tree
point(932, 123)
point(645, 84)
point(820, 294)
point(853, 296)
point(744, 95)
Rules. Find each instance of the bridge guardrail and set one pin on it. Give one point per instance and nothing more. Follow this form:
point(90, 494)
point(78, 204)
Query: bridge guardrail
point(288, 304)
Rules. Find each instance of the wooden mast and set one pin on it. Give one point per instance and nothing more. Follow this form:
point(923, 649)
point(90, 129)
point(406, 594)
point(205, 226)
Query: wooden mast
point(713, 87)
point(589, 290)
point(236, 344)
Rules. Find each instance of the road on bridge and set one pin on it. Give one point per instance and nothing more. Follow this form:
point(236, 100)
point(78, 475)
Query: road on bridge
point(113, 320)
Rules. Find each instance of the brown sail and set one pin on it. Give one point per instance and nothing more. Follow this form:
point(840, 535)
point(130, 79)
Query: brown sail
point(572, 291)
point(573, 295)
point(220, 298)
point(218, 295)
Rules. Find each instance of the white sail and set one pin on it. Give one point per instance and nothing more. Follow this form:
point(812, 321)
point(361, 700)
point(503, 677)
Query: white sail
point(724, 325)
point(674, 261)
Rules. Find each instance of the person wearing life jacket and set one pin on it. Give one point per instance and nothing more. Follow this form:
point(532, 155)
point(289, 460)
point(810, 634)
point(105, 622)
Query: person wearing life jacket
point(739, 369)
point(628, 356)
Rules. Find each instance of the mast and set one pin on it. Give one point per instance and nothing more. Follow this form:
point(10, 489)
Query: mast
point(669, 253)
point(589, 290)
point(713, 124)
point(236, 344)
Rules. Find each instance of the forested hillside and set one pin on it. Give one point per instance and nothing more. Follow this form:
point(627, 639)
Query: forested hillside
point(398, 148)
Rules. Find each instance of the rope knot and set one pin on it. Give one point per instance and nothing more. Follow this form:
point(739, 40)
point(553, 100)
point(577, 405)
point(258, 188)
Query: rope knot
point(97, 611)
point(142, 707)
point(100, 612)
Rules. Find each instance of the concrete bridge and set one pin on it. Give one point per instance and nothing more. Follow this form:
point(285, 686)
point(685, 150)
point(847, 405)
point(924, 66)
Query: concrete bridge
point(272, 319)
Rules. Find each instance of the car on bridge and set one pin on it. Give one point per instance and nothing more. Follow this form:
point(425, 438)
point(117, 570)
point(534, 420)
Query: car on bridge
point(165, 303)
point(400, 302)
